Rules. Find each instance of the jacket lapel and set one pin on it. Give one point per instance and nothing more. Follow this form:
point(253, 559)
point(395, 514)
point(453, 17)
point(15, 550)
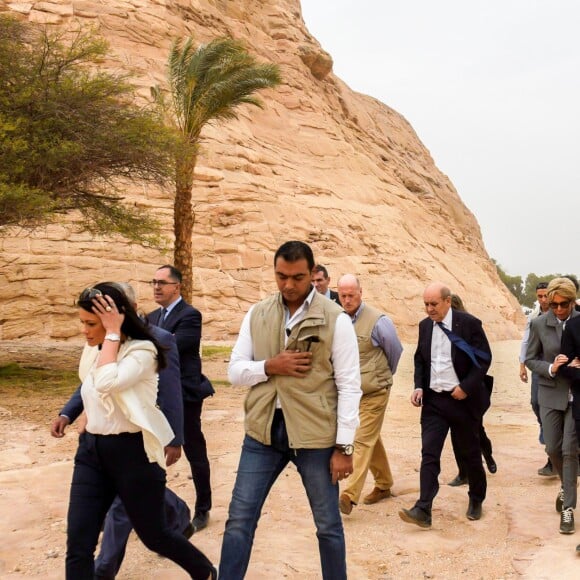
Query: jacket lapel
point(172, 316)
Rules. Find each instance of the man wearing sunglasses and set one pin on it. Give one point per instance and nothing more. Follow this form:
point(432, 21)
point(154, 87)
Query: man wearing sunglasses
point(184, 322)
point(554, 397)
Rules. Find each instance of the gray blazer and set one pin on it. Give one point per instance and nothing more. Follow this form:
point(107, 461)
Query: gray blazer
point(544, 345)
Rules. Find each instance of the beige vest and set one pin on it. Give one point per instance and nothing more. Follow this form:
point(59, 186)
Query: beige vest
point(309, 404)
point(375, 371)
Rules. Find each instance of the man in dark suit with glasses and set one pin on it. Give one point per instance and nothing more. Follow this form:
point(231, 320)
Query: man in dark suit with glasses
point(184, 322)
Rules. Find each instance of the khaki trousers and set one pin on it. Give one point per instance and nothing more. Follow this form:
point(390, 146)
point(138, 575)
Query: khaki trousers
point(369, 451)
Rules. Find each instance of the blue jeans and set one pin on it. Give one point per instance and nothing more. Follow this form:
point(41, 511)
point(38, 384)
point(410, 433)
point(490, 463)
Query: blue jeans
point(259, 467)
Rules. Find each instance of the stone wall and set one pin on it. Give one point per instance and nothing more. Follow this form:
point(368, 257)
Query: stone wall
point(319, 163)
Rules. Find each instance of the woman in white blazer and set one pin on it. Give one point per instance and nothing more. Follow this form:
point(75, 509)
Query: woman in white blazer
point(121, 451)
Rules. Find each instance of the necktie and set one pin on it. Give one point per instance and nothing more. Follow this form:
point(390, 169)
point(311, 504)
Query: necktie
point(163, 317)
point(461, 344)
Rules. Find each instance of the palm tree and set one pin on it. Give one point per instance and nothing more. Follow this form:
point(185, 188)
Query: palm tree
point(207, 83)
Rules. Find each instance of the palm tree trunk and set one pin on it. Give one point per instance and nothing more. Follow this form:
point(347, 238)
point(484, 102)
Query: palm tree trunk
point(183, 221)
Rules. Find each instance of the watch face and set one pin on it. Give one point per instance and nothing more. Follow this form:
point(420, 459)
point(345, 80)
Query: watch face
point(348, 449)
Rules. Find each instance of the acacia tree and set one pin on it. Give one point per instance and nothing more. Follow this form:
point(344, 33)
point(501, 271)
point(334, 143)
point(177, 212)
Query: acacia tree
point(207, 83)
point(71, 135)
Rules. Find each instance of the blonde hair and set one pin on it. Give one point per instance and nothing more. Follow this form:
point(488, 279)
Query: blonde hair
point(562, 286)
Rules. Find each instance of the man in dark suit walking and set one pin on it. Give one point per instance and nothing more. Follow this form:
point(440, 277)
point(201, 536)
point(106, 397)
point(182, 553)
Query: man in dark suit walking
point(451, 362)
point(184, 322)
point(321, 281)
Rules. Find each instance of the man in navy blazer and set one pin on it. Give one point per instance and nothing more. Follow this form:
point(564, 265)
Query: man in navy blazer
point(450, 388)
point(117, 527)
point(571, 369)
point(184, 322)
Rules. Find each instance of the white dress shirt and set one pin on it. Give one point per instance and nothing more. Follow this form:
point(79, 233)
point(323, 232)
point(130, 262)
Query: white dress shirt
point(443, 375)
point(243, 370)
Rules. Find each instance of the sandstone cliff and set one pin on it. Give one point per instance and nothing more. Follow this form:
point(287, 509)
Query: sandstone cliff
point(320, 163)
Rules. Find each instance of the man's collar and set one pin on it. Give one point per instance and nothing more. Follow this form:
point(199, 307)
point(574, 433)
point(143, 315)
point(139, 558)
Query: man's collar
point(357, 313)
point(308, 300)
point(171, 306)
point(448, 320)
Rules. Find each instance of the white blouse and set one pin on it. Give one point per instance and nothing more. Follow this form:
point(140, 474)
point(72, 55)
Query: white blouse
point(121, 397)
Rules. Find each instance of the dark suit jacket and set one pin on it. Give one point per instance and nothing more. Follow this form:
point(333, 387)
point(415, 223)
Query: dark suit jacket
point(168, 397)
point(571, 348)
point(334, 297)
point(184, 322)
point(471, 378)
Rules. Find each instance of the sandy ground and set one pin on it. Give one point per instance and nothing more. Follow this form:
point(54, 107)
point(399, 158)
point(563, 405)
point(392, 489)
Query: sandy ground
point(517, 536)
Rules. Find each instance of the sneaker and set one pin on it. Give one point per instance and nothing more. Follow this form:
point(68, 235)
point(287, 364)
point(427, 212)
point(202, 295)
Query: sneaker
point(547, 470)
point(377, 495)
point(345, 504)
point(560, 500)
point(567, 521)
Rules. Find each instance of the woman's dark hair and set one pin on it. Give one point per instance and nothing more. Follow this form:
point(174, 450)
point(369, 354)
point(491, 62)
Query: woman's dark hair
point(457, 303)
point(133, 326)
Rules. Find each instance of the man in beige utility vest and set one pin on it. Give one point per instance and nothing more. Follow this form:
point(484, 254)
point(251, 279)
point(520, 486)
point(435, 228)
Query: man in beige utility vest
point(379, 352)
point(297, 352)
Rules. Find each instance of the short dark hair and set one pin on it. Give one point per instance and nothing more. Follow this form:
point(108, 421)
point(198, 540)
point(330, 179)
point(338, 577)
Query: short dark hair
point(541, 285)
point(293, 251)
point(574, 281)
point(173, 272)
point(320, 268)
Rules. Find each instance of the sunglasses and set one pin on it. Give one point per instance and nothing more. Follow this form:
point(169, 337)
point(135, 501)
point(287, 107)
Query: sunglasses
point(161, 283)
point(89, 293)
point(563, 305)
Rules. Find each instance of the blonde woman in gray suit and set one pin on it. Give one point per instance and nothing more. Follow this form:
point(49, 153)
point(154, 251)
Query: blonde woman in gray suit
point(554, 396)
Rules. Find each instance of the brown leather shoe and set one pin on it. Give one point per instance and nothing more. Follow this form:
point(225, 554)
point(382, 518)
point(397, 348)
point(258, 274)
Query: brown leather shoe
point(377, 495)
point(345, 504)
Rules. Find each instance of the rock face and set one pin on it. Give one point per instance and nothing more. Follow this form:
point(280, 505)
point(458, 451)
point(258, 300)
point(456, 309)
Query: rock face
point(320, 163)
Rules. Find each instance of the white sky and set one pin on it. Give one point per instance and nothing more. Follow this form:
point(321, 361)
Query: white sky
point(492, 88)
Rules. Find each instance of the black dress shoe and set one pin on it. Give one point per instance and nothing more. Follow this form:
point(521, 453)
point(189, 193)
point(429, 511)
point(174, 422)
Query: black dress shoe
point(188, 532)
point(416, 516)
point(199, 521)
point(491, 464)
point(547, 470)
point(458, 480)
point(474, 510)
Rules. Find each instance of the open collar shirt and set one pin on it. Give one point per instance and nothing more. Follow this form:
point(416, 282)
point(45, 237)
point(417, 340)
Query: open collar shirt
point(443, 375)
point(243, 370)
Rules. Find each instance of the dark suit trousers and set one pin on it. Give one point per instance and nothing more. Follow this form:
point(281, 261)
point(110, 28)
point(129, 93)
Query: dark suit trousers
point(441, 413)
point(484, 443)
point(118, 527)
point(106, 465)
point(196, 452)
point(576, 408)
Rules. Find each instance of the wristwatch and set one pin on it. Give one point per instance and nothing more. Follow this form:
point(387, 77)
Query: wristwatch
point(345, 449)
point(113, 337)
